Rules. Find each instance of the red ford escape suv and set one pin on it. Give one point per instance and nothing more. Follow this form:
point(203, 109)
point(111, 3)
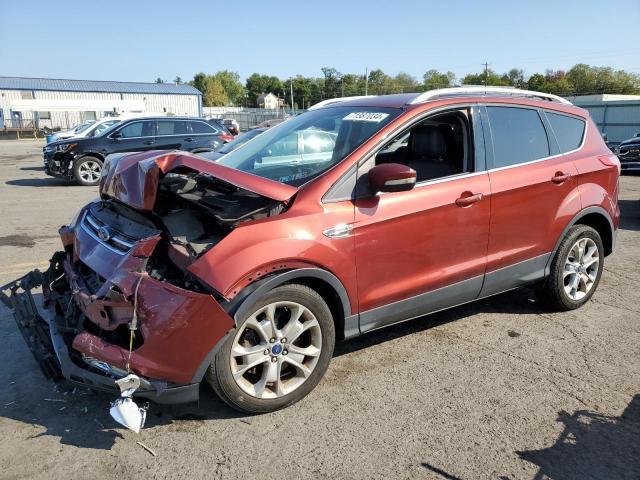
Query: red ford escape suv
point(356, 215)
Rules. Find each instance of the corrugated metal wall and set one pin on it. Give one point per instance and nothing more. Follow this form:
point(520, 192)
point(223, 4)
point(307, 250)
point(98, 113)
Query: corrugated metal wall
point(154, 103)
point(620, 120)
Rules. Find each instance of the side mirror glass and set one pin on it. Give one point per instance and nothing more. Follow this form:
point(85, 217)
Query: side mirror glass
point(392, 177)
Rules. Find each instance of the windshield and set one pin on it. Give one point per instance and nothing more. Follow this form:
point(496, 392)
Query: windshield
point(82, 127)
point(239, 140)
point(103, 127)
point(303, 147)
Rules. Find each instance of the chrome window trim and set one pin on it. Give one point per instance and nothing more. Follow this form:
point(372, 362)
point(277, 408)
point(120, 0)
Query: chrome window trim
point(96, 238)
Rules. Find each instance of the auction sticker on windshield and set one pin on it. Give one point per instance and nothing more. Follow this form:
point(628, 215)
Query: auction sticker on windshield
point(376, 117)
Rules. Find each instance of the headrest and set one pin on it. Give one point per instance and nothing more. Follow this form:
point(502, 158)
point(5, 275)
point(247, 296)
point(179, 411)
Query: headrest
point(427, 141)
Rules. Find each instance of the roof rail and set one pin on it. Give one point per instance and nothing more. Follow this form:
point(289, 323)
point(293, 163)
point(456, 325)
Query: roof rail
point(330, 101)
point(483, 91)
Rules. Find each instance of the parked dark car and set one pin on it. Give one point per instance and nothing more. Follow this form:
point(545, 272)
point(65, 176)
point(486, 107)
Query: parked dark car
point(231, 146)
point(81, 159)
point(629, 154)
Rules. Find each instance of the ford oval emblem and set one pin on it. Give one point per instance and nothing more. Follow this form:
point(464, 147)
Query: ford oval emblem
point(104, 234)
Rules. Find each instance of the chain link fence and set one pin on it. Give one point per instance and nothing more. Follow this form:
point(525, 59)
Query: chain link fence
point(247, 117)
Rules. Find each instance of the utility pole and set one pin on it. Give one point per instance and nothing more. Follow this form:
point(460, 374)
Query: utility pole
point(366, 80)
point(291, 85)
point(342, 82)
point(486, 73)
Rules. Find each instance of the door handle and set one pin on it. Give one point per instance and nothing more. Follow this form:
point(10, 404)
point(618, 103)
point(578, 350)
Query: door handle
point(468, 198)
point(188, 139)
point(560, 177)
point(149, 142)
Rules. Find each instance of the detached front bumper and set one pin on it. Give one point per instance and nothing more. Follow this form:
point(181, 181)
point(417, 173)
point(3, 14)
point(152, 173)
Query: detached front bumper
point(47, 344)
point(80, 333)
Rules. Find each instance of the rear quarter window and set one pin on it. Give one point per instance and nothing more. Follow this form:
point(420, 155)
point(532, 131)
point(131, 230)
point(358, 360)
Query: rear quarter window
point(569, 131)
point(203, 127)
point(518, 136)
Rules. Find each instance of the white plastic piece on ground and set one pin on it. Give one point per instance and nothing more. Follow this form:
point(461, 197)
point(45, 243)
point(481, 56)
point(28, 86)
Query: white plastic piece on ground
point(128, 414)
point(124, 410)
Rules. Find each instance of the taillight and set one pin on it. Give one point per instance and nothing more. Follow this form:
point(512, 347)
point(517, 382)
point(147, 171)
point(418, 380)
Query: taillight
point(610, 161)
point(226, 137)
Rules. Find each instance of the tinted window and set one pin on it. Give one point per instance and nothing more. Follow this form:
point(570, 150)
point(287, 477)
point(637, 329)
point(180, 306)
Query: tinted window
point(568, 130)
point(518, 136)
point(202, 127)
point(172, 127)
point(137, 129)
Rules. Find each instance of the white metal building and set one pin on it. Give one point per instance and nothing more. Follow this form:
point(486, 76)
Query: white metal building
point(617, 116)
point(56, 103)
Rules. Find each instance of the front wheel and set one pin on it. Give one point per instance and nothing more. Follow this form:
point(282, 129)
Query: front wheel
point(279, 352)
point(87, 170)
point(575, 270)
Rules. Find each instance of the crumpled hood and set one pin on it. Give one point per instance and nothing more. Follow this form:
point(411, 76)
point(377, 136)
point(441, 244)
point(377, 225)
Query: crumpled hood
point(132, 178)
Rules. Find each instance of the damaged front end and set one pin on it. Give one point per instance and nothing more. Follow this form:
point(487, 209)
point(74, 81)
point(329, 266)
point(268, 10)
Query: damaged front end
point(119, 301)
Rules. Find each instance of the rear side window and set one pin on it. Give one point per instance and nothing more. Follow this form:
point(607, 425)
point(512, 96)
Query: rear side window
point(172, 127)
point(569, 131)
point(202, 127)
point(518, 136)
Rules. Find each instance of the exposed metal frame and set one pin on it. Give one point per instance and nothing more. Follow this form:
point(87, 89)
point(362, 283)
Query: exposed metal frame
point(484, 91)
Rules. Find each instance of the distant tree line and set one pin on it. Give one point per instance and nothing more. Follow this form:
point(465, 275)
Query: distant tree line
point(224, 87)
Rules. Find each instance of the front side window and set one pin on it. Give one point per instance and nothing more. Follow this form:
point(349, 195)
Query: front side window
point(518, 136)
point(303, 147)
point(568, 130)
point(437, 147)
point(137, 129)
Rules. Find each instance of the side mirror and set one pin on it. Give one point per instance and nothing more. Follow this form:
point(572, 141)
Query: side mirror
point(392, 177)
point(116, 136)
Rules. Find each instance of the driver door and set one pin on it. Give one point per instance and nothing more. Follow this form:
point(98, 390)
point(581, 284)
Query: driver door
point(420, 251)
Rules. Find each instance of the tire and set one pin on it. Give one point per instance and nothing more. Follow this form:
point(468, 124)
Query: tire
point(557, 292)
point(87, 170)
point(254, 391)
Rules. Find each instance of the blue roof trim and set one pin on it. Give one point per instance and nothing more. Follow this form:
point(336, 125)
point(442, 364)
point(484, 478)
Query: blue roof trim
point(62, 85)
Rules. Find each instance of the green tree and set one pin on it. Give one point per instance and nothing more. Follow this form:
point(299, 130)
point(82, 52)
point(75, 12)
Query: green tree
point(258, 84)
point(159, 80)
point(177, 80)
point(200, 81)
point(231, 83)
point(378, 82)
point(433, 79)
point(485, 78)
point(214, 94)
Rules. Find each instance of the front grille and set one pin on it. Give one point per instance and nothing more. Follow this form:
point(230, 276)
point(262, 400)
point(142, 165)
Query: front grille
point(115, 241)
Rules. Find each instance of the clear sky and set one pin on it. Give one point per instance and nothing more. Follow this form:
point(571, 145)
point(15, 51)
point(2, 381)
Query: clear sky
point(139, 40)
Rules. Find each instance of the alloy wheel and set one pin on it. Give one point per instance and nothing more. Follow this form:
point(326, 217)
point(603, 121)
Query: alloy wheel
point(581, 268)
point(89, 171)
point(275, 351)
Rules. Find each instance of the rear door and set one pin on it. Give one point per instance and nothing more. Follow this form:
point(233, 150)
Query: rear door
point(173, 135)
point(532, 187)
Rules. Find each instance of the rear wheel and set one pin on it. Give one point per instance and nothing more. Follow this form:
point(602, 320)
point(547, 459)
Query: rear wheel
point(279, 352)
point(87, 170)
point(575, 271)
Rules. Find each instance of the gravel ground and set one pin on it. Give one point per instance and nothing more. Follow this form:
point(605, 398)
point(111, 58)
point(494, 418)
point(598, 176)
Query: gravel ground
point(508, 390)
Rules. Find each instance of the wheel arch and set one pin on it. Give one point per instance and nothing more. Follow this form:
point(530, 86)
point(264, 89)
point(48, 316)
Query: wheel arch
point(90, 154)
point(597, 218)
point(322, 281)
